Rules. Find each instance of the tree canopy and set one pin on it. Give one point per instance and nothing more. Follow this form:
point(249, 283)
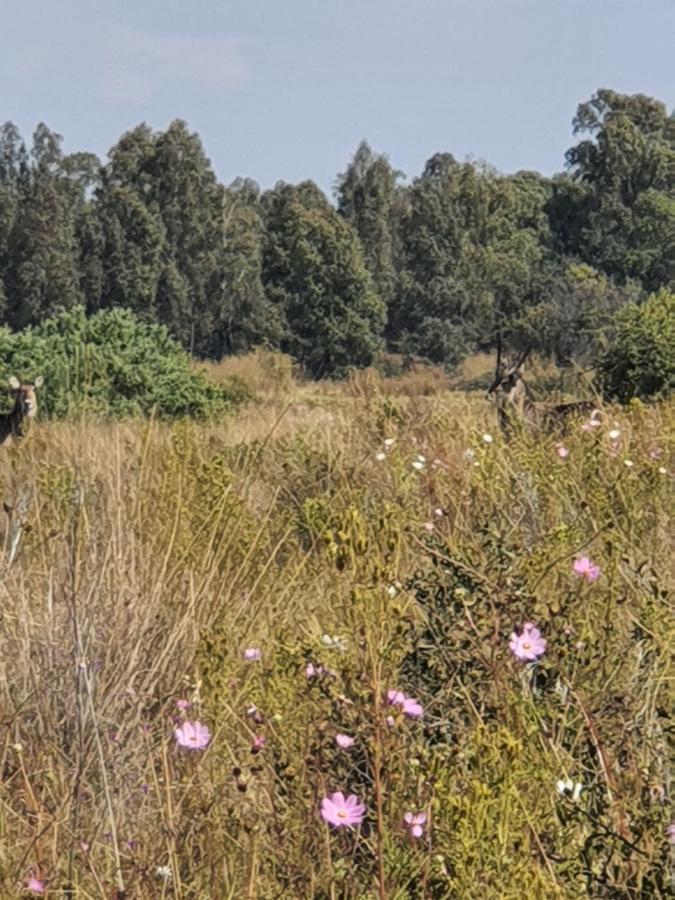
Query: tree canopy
point(435, 266)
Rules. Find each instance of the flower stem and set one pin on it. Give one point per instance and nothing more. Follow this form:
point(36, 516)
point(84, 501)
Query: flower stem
point(377, 781)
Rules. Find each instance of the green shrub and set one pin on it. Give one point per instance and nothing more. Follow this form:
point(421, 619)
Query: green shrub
point(110, 364)
point(641, 360)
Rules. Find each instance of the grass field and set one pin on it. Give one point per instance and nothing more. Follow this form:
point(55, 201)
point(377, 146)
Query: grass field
point(141, 561)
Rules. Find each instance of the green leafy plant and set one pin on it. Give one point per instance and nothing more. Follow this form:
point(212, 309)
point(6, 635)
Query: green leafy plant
point(641, 359)
point(111, 364)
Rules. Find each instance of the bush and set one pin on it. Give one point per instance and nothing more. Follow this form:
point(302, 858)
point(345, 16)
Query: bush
point(641, 359)
point(110, 364)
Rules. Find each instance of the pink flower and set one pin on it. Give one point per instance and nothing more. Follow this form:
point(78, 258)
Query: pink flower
point(592, 422)
point(614, 448)
point(429, 526)
point(341, 812)
point(415, 824)
point(258, 743)
point(528, 645)
point(562, 451)
point(312, 671)
point(35, 886)
point(585, 569)
point(344, 741)
point(670, 830)
point(655, 453)
point(410, 706)
point(252, 654)
point(183, 705)
point(192, 735)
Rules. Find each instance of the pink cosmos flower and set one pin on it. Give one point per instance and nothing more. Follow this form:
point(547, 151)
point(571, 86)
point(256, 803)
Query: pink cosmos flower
point(410, 706)
point(252, 654)
point(562, 451)
point(192, 735)
point(341, 812)
point(586, 569)
point(35, 886)
point(671, 832)
point(258, 743)
point(528, 645)
point(312, 671)
point(183, 705)
point(344, 741)
point(415, 824)
point(593, 422)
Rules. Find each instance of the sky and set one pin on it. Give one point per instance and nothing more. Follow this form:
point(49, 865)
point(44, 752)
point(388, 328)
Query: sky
point(286, 89)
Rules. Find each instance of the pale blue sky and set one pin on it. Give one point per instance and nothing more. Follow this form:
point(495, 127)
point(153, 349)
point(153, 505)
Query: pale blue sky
point(285, 89)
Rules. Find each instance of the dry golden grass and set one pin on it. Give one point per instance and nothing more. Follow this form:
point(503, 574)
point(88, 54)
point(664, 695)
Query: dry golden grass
point(141, 558)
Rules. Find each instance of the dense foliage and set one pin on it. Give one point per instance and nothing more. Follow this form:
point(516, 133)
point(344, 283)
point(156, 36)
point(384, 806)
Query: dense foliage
point(435, 267)
point(109, 363)
point(641, 360)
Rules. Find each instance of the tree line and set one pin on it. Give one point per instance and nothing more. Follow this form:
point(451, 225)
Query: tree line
point(434, 267)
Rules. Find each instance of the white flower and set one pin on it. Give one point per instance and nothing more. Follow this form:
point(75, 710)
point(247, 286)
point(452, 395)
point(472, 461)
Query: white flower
point(380, 456)
point(164, 872)
point(568, 788)
point(334, 642)
point(388, 442)
point(391, 590)
point(628, 463)
point(439, 512)
point(421, 458)
point(487, 437)
point(663, 470)
point(614, 434)
point(469, 454)
point(418, 464)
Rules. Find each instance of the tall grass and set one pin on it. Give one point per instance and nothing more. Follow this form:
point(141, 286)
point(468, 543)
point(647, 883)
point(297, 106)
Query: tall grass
point(141, 560)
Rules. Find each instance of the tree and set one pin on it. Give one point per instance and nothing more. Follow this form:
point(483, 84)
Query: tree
point(314, 272)
point(366, 194)
point(616, 210)
point(130, 240)
point(473, 250)
point(189, 201)
point(573, 319)
point(641, 359)
point(244, 317)
point(42, 272)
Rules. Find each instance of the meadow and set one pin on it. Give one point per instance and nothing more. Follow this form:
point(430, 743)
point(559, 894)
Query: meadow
point(210, 630)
